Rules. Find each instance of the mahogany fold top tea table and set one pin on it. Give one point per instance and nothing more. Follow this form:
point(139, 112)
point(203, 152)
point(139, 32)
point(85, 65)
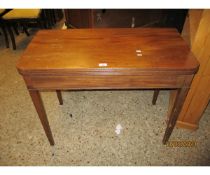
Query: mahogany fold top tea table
point(83, 59)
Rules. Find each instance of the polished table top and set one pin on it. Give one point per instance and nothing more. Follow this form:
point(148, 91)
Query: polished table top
point(101, 50)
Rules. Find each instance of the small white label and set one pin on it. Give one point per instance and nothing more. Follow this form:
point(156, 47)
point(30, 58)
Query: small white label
point(138, 51)
point(139, 54)
point(102, 64)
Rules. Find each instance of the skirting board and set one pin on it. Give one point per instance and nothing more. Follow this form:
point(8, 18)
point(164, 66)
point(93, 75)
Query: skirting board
point(185, 125)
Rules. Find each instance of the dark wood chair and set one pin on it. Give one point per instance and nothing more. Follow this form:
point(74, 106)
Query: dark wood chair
point(3, 27)
point(21, 17)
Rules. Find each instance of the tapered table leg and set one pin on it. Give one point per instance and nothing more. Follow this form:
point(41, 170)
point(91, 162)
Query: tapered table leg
point(36, 98)
point(175, 110)
point(155, 95)
point(172, 97)
point(59, 95)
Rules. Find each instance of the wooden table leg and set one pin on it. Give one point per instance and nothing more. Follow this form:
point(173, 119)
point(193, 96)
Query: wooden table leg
point(36, 98)
point(176, 109)
point(59, 95)
point(173, 94)
point(155, 95)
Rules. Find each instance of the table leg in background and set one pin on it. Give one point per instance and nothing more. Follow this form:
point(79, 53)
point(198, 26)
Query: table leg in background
point(59, 95)
point(155, 96)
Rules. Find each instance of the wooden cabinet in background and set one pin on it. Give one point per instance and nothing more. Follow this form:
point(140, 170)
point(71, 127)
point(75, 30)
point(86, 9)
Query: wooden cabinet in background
point(78, 18)
point(196, 33)
point(125, 18)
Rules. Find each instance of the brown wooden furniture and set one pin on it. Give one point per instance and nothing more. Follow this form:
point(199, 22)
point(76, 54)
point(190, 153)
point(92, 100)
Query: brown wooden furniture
point(78, 18)
point(196, 34)
point(3, 26)
point(124, 18)
point(108, 59)
point(198, 23)
point(21, 16)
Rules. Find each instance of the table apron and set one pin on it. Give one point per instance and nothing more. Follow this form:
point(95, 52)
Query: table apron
point(104, 82)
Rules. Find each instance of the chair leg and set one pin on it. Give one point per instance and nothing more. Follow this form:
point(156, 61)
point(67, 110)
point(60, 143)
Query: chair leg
point(15, 29)
point(25, 30)
point(155, 95)
point(40, 23)
point(5, 36)
point(12, 37)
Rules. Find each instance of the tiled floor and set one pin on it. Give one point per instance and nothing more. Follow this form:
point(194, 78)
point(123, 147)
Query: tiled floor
point(84, 127)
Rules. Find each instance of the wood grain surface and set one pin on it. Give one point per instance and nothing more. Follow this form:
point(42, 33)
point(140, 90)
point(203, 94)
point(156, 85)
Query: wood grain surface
point(83, 50)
